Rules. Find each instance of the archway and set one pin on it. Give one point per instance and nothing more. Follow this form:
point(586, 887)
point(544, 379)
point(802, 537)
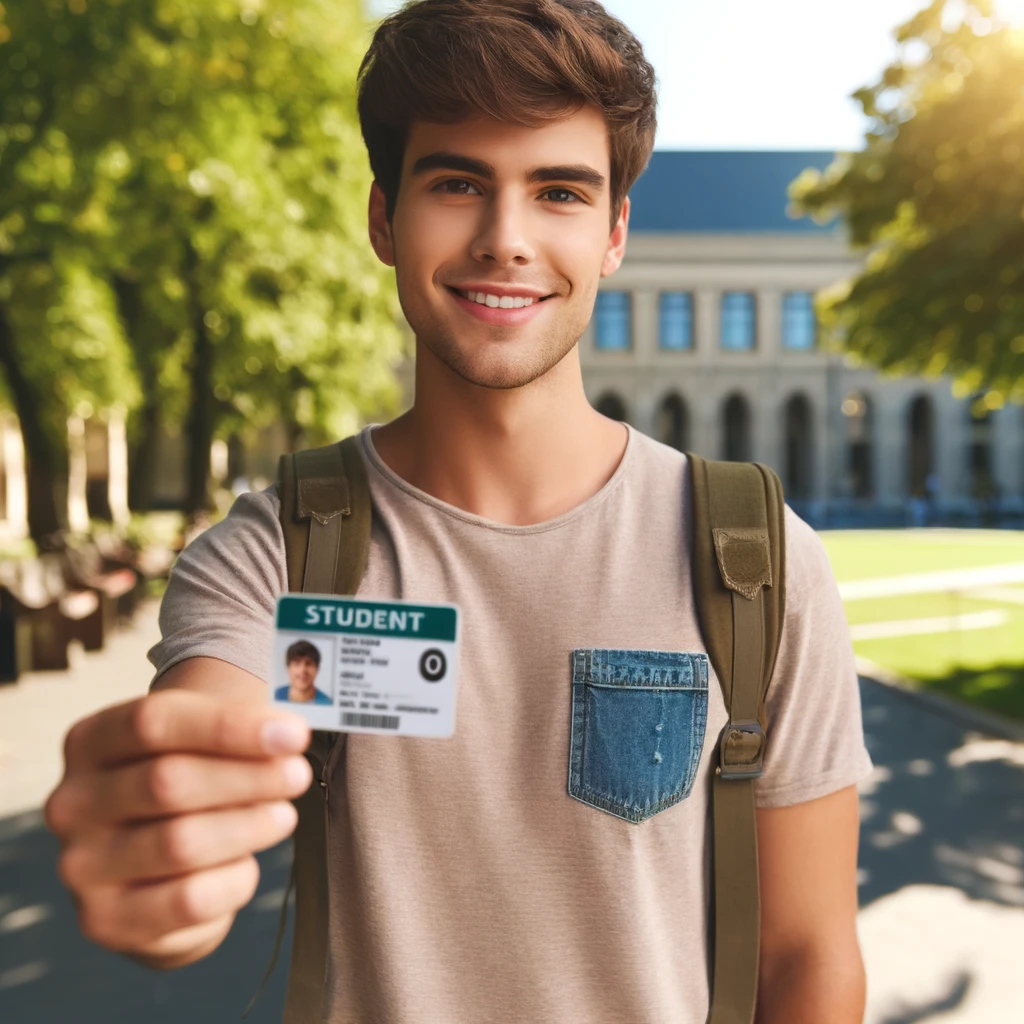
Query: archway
point(799, 448)
point(612, 406)
point(674, 422)
point(980, 469)
point(920, 446)
point(736, 429)
point(858, 412)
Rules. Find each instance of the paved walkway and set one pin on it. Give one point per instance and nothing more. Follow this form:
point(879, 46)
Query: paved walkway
point(942, 872)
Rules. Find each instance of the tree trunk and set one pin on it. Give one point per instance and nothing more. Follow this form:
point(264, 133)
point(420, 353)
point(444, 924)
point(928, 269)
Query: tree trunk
point(144, 454)
point(46, 455)
point(200, 420)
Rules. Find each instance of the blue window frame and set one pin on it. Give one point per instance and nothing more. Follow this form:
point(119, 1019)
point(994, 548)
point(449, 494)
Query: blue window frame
point(675, 321)
point(613, 317)
point(738, 321)
point(799, 321)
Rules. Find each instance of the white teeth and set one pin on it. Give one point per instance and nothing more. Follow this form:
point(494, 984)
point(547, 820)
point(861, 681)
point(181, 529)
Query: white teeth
point(501, 301)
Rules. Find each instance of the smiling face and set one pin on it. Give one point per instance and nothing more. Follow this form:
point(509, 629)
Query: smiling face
point(509, 214)
point(302, 674)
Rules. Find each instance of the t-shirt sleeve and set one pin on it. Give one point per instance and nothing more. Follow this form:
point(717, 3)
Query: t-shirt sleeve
point(815, 744)
point(222, 592)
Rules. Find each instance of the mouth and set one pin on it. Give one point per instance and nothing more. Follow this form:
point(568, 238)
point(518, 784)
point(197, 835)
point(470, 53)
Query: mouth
point(494, 314)
point(498, 302)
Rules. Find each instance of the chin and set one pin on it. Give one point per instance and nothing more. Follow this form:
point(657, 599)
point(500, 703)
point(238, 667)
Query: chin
point(505, 366)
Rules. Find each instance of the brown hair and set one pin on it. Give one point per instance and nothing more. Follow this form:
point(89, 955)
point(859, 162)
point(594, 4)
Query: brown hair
point(302, 649)
point(524, 62)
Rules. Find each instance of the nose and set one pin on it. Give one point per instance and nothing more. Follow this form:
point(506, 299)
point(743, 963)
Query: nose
point(503, 237)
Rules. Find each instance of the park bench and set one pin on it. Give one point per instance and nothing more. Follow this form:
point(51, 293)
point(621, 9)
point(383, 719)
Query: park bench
point(42, 615)
point(115, 585)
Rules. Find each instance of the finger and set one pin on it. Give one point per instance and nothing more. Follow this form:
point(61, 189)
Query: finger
point(162, 918)
point(183, 721)
point(173, 784)
point(174, 846)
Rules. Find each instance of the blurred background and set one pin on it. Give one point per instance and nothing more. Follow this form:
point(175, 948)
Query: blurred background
point(825, 273)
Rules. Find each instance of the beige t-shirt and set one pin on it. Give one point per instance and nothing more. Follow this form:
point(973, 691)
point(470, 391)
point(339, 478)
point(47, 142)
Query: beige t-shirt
point(466, 884)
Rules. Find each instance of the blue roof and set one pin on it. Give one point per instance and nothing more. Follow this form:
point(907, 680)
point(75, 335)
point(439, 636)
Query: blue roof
point(722, 192)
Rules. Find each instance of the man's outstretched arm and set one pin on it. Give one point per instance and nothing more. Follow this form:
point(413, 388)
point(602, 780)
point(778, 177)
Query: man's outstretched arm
point(811, 969)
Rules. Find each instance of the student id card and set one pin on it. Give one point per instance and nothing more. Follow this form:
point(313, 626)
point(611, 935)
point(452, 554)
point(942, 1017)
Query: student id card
point(384, 667)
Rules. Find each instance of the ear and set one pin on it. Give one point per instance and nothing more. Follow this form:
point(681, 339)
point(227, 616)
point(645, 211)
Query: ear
point(380, 230)
point(616, 242)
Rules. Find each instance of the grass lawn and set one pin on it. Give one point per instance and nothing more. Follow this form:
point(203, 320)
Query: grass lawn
point(984, 667)
point(866, 554)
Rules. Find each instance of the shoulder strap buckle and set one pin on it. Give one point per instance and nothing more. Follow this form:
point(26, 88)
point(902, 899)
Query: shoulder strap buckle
point(741, 751)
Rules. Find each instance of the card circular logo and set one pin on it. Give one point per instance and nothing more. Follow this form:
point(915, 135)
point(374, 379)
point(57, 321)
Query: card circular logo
point(433, 665)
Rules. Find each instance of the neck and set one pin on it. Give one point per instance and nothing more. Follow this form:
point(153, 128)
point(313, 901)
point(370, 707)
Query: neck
point(517, 456)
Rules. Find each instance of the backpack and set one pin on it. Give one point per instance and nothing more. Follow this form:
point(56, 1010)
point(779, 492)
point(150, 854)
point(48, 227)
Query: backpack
point(739, 589)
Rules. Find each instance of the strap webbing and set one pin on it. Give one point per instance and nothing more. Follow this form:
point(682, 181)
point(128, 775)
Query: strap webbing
point(326, 514)
point(737, 893)
point(282, 923)
point(737, 554)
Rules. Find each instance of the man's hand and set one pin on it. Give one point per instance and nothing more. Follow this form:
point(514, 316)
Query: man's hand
point(163, 803)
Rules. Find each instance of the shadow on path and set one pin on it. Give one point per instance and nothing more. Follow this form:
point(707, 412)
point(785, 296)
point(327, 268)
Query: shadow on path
point(944, 807)
point(957, 993)
point(49, 974)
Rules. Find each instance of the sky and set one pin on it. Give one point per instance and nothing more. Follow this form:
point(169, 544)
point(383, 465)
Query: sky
point(763, 74)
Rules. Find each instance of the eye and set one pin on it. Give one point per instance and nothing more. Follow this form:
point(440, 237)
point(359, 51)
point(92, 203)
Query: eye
point(564, 192)
point(454, 181)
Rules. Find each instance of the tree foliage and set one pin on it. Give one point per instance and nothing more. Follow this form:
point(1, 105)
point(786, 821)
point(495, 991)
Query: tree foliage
point(189, 175)
point(938, 197)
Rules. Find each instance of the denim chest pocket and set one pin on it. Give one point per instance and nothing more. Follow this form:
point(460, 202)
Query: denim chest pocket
point(638, 722)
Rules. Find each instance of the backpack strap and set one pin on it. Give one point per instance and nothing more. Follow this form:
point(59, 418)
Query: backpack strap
point(325, 516)
point(739, 587)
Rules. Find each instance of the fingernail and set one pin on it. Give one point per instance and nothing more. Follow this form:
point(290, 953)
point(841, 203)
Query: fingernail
point(280, 736)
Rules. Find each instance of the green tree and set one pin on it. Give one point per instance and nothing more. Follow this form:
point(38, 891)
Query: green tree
point(938, 198)
point(203, 161)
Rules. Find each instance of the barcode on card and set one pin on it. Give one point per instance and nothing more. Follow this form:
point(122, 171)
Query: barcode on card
point(370, 721)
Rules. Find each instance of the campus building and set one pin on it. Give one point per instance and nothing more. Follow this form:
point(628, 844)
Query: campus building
point(706, 339)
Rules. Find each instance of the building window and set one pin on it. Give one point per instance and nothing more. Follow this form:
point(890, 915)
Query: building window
point(613, 327)
point(799, 321)
point(738, 321)
point(675, 321)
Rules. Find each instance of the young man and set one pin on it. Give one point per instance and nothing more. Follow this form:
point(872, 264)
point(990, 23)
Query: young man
point(302, 660)
point(465, 882)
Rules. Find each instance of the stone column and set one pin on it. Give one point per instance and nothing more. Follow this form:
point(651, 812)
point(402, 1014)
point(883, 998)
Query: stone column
point(78, 506)
point(13, 455)
point(645, 325)
point(117, 467)
point(769, 324)
point(1008, 450)
point(889, 443)
point(706, 317)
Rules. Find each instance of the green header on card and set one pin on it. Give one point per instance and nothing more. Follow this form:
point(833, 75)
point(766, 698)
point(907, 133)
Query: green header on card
point(371, 618)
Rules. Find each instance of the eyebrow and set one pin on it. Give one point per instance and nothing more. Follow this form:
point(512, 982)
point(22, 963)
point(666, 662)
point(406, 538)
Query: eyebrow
point(579, 173)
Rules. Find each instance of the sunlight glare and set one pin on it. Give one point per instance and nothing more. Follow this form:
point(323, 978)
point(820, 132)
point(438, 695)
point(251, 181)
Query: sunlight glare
point(1011, 11)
